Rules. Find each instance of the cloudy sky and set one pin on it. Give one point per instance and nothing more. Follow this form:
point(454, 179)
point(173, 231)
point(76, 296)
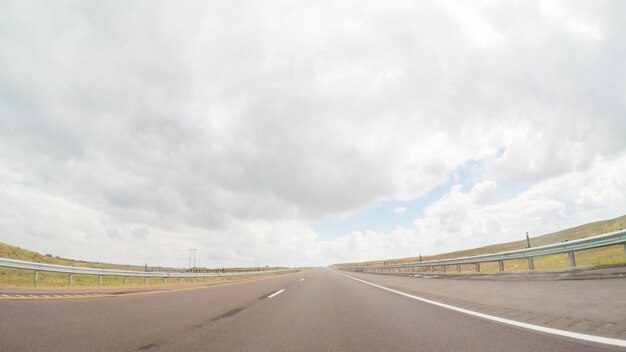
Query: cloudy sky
point(306, 133)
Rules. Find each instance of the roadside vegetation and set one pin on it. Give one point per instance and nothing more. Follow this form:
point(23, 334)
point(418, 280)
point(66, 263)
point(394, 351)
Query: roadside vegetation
point(18, 278)
point(612, 255)
point(10, 277)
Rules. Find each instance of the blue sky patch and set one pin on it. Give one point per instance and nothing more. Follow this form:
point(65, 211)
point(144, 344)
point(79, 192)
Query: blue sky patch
point(382, 218)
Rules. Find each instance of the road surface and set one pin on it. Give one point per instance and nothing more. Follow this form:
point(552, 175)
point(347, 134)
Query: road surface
point(319, 310)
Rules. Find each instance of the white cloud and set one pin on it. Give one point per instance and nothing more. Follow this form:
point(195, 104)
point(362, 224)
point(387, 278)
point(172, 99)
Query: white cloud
point(230, 128)
point(461, 220)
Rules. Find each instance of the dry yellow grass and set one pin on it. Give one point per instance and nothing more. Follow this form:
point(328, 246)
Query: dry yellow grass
point(12, 252)
point(16, 277)
point(594, 257)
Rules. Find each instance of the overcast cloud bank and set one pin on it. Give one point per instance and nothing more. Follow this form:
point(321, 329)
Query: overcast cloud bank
point(131, 133)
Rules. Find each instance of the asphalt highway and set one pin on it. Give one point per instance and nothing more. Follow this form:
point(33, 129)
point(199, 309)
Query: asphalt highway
point(318, 310)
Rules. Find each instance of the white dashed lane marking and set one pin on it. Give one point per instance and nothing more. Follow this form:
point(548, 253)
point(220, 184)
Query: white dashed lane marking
point(275, 293)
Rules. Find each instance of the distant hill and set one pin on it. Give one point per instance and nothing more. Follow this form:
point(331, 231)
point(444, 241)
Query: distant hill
point(13, 252)
point(574, 233)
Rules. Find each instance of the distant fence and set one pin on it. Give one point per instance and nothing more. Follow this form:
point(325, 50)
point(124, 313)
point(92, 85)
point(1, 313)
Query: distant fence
point(569, 247)
point(73, 270)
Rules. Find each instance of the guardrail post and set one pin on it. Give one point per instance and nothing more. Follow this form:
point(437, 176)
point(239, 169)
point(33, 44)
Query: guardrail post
point(477, 265)
point(164, 281)
point(624, 248)
point(145, 280)
point(179, 280)
point(572, 259)
point(35, 276)
point(444, 268)
point(99, 279)
point(501, 265)
point(458, 268)
point(125, 280)
point(70, 279)
point(531, 263)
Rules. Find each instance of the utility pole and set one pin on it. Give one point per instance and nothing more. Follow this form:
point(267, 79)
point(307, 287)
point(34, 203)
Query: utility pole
point(192, 253)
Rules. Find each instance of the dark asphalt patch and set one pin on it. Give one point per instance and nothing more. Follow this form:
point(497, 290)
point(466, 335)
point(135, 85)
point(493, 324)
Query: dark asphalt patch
point(230, 313)
point(147, 347)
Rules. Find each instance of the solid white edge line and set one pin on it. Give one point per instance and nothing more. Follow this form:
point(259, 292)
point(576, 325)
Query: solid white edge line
point(574, 335)
point(275, 293)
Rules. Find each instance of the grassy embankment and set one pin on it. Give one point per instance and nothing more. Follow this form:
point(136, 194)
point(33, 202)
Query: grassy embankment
point(594, 257)
point(17, 277)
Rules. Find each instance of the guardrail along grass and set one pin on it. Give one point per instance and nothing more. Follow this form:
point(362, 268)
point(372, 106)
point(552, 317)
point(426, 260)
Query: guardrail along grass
point(612, 255)
point(22, 277)
point(10, 277)
point(13, 252)
point(16, 277)
point(592, 257)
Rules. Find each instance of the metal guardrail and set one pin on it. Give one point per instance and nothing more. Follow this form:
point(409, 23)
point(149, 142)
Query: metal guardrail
point(205, 270)
point(74, 270)
point(569, 247)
